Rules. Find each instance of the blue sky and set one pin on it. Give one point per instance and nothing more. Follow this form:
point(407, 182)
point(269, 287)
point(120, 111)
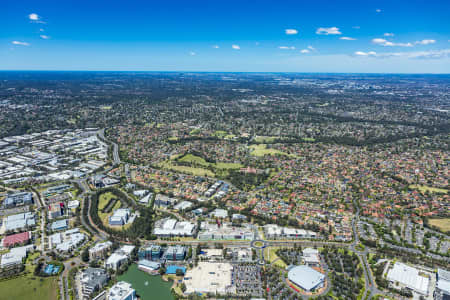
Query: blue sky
point(396, 36)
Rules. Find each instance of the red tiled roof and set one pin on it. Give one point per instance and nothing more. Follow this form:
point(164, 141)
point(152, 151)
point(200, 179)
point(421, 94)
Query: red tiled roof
point(14, 239)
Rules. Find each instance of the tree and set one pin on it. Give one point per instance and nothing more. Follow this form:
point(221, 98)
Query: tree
point(85, 255)
point(179, 272)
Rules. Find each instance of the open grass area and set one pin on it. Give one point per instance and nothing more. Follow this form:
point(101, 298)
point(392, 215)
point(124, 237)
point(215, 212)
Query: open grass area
point(185, 169)
point(104, 199)
point(265, 139)
point(261, 150)
point(424, 188)
point(271, 255)
point(29, 287)
point(190, 158)
point(443, 224)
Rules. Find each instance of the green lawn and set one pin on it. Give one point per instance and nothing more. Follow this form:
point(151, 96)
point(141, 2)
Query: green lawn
point(261, 150)
point(265, 139)
point(29, 287)
point(185, 169)
point(424, 188)
point(443, 224)
point(104, 199)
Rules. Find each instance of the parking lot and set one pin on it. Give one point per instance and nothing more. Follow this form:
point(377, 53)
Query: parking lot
point(247, 279)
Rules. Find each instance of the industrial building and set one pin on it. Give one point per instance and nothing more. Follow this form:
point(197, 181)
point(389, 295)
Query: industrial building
point(306, 278)
point(409, 277)
point(164, 201)
point(183, 205)
point(66, 241)
point(311, 257)
point(171, 227)
point(121, 291)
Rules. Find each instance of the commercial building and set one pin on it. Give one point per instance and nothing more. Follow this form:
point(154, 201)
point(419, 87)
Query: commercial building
point(19, 221)
point(305, 278)
point(121, 291)
point(148, 266)
point(311, 257)
point(16, 239)
point(115, 261)
point(409, 277)
point(120, 217)
point(59, 225)
point(92, 280)
point(273, 231)
point(66, 241)
point(150, 252)
point(177, 252)
point(164, 201)
point(442, 291)
point(183, 205)
point(99, 250)
point(55, 210)
point(15, 256)
point(225, 231)
point(171, 227)
point(17, 199)
point(219, 213)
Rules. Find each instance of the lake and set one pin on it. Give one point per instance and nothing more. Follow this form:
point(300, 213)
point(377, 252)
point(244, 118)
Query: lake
point(156, 288)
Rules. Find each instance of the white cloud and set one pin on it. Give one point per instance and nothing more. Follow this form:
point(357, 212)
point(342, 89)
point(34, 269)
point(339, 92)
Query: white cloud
point(346, 38)
point(287, 48)
point(431, 54)
point(20, 43)
point(34, 17)
point(216, 46)
point(41, 30)
point(378, 10)
point(291, 31)
point(311, 48)
point(388, 34)
point(45, 37)
point(327, 31)
point(362, 53)
point(304, 51)
point(235, 47)
point(425, 42)
point(386, 43)
point(192, 53)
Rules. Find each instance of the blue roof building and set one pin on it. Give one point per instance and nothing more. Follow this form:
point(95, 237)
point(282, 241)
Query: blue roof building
point(173, 269)
point(59, 225)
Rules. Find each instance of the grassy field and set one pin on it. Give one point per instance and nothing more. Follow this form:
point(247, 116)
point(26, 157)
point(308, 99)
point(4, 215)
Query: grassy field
point(261, 150)
point(29, 286)
point(185, 169)
point(265, 139)
point(104, 199)
point(271, 255)
point(442, 224)
point(424, 188)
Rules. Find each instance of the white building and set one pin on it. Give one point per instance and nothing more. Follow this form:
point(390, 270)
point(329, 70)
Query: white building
point(121, 291)
point(115, 261)
point(409, 277)
point(171, 227)
point(224, 232)
point(15, 256)
point(273, 231)
point(99, 250)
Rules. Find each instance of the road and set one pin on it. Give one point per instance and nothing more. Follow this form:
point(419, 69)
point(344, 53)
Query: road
point(116, 156)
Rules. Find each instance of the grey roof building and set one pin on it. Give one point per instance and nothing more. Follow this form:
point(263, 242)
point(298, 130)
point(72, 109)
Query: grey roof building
point(92, 280)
